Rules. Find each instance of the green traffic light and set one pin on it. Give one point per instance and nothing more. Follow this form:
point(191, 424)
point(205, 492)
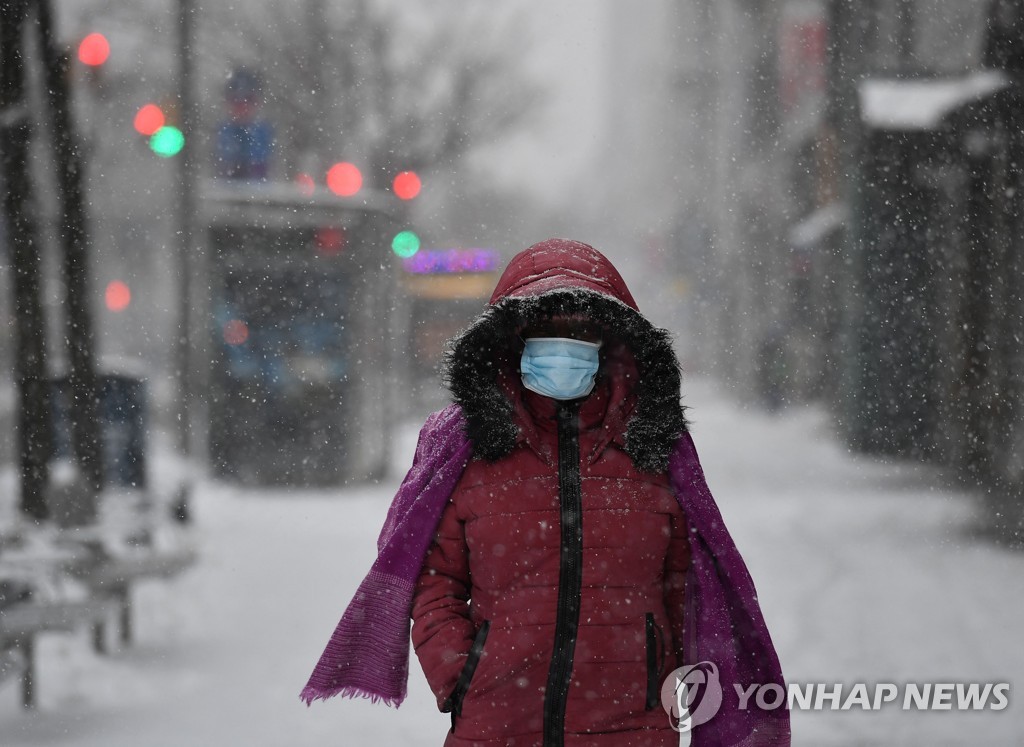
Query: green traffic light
point(405, 244)
point(167, 141)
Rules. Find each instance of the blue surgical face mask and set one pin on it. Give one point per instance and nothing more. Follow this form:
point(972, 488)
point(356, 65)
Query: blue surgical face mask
point(559, 367)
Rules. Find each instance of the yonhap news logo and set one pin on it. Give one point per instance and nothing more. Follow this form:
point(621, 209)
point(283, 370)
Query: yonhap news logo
point(692, 695)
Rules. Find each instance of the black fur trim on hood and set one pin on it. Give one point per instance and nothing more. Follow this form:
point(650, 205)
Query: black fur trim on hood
point(476, 357)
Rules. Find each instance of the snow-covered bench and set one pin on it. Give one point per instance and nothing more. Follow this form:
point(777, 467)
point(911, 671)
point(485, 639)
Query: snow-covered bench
point(20, 624)
point(75, 585)
point(111, 580)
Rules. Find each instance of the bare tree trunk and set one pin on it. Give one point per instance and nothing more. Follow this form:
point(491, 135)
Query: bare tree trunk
point(85, 431)
point(34, 431)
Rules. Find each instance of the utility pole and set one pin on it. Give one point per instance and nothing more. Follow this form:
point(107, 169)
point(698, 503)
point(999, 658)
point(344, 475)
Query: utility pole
point(847, 48)
point(316, 52)
point(186, 188)
point(34, 431)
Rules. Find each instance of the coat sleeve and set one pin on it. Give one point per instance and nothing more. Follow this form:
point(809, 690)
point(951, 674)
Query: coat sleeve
point(442, 631)
point(677, 563)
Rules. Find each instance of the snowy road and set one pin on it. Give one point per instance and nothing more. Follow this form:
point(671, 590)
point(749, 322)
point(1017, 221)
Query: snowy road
point(867, 573)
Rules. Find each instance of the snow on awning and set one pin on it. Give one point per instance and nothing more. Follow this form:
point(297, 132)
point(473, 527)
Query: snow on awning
point(818, 225)
point(923, 104)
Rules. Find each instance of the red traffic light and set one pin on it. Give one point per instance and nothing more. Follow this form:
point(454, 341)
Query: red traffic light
point(94, 50)
point(344, 179)
point(406, 185)
point(149, 119)
point(118, 296)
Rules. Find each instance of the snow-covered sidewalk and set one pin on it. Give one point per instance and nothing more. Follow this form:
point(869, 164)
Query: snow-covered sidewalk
point(867, 572)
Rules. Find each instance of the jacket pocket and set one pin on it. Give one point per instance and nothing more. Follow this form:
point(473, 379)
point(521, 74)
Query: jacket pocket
point(454, 701)
point(655, 660)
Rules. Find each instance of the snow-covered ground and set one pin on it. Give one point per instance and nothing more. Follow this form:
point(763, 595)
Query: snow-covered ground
point(867, 572)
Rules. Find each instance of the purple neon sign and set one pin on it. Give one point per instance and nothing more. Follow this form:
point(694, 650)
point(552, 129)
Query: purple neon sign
point(439, 261)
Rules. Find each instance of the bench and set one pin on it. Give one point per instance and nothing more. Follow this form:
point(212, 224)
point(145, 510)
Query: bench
point(20, 623)
point(110, 580)
point(89, 571)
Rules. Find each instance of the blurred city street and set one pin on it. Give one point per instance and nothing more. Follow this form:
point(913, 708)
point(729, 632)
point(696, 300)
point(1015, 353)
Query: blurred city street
point(868, 571)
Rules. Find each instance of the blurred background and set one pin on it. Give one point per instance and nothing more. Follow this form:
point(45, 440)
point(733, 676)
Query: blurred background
point(235, 238)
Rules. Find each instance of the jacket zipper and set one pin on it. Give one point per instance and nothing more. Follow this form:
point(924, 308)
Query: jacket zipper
point(454, 701)
point(570, 574)
point(655, 662)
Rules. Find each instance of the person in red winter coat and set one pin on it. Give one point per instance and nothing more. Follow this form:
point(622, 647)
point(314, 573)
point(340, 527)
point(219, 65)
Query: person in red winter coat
point(554, 550)
point(549, 608)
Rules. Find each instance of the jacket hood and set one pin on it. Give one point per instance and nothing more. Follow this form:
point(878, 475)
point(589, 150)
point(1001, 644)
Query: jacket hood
point(560, 277)
point(558, 264)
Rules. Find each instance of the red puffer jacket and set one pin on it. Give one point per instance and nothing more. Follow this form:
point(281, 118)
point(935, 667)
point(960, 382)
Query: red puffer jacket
point(549, 609)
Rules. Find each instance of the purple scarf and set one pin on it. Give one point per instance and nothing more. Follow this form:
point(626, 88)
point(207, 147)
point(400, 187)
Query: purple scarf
point(368, 654)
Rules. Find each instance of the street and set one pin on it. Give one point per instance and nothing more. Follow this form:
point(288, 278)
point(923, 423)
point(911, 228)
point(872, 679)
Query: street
point(867, 571)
